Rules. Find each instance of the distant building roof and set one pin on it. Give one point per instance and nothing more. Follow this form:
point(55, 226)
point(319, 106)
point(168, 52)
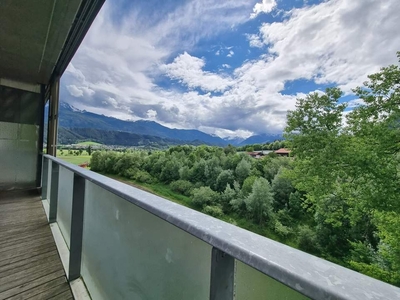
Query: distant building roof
point(282, 151)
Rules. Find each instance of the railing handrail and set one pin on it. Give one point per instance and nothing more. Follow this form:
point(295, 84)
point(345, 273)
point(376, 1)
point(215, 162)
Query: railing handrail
point(311, 276)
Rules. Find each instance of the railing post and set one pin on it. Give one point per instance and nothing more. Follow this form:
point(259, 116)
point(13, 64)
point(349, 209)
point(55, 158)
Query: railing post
point(75, 251)
point(54, 192)
point(45, 176)
point(222, 275)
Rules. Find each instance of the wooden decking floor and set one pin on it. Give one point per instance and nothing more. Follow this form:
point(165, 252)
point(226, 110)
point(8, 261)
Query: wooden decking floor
point(30, 267)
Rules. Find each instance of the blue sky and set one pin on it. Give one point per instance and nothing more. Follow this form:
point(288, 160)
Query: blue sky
point(232, 68)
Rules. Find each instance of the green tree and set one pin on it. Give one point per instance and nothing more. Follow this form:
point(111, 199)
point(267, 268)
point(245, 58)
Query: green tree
point(242, 170)
point(203, 196)
point(229, 149)
point(282, 188)
point(249, 149)
point(349, 171)
point(247, 186)
point(225, 178)
point(259, 202)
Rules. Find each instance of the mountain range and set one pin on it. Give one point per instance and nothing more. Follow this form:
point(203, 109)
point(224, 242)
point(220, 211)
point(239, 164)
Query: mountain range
point(76, 125)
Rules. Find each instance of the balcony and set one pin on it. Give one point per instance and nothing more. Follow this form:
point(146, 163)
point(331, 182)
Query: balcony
point(88, 236)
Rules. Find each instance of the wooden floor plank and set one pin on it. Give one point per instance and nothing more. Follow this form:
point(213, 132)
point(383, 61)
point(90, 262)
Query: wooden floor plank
point(17, 291)
point(24, 254)
point(32, 264)
point(25, 235)
point(26, 245)
point(30, 267)
point(36, 236)
point(52, 292)
point(63, 296)
point(24, 262)
point(11, 231)
point(27, 275)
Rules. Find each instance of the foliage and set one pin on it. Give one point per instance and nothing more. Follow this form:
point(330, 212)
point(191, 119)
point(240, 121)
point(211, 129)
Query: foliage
point(259, 202)
point(203, 196)
point(281, 230)
point(349, 173)
point(307, 239)
point(215, 211)
point(225, 178)
point(183, 187)
point(242, 170)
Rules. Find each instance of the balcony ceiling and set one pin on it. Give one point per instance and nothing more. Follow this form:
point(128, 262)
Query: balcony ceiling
point(34, 33)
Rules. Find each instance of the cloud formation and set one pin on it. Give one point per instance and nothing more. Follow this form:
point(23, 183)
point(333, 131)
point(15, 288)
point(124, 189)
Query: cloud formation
point(188, 70)
point(265, 6)
point(150, 64)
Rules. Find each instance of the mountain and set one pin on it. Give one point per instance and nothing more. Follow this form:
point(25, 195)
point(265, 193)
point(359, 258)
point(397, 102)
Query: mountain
point(120, 138)
point(73, 118)
point(234, 140)
point(261, 139)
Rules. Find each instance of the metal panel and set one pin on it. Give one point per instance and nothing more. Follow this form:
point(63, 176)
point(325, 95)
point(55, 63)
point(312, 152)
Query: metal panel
point(129, 253)
point(252, 284)
point(64, 206)
point(9, 131)
point(18, 155)
point(19, 136)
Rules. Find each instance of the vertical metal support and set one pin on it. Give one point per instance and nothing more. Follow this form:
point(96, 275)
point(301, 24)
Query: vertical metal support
point(222, 275)
point(40, 139)
point(45, 176)
point(53, 118)
point(54, 192)
point(75, 251)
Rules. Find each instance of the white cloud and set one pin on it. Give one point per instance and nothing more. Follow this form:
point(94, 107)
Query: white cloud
point(74, 91)
point(265, 6)
point(339, 41)
point(188, 70)
point(226, 66)
point(255, 40)
point(230, 54)
point(151, 114)
point(355, 103)
point(218, 52)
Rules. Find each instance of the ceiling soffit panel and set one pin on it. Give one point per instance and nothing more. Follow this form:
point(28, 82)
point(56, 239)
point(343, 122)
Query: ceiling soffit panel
point(32, 34)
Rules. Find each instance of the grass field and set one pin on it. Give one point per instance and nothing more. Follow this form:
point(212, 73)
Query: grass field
point(73, 159)
point(76, 160)
point(89, 143)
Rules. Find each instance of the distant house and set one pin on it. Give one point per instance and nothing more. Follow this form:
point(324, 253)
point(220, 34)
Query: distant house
point(283, 152)
point(256, 154)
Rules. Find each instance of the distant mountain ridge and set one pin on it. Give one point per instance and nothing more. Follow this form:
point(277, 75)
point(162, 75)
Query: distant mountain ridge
point(78, 122)
point(261, 139)
point(120, 138)
point(70, 117)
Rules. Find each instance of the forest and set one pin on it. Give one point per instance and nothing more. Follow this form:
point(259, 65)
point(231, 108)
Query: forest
point(337, 196)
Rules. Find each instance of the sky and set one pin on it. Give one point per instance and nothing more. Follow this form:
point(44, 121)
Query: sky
point(232, 68)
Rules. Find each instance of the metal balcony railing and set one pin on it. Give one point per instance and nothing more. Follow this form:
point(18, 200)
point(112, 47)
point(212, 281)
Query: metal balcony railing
point(126, 243)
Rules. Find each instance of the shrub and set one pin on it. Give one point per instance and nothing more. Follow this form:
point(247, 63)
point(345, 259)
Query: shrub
point(281, 230)
point(143, 176)
point(214, 211)
point(183, 187)
point(203, 196)
point(307, 240)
